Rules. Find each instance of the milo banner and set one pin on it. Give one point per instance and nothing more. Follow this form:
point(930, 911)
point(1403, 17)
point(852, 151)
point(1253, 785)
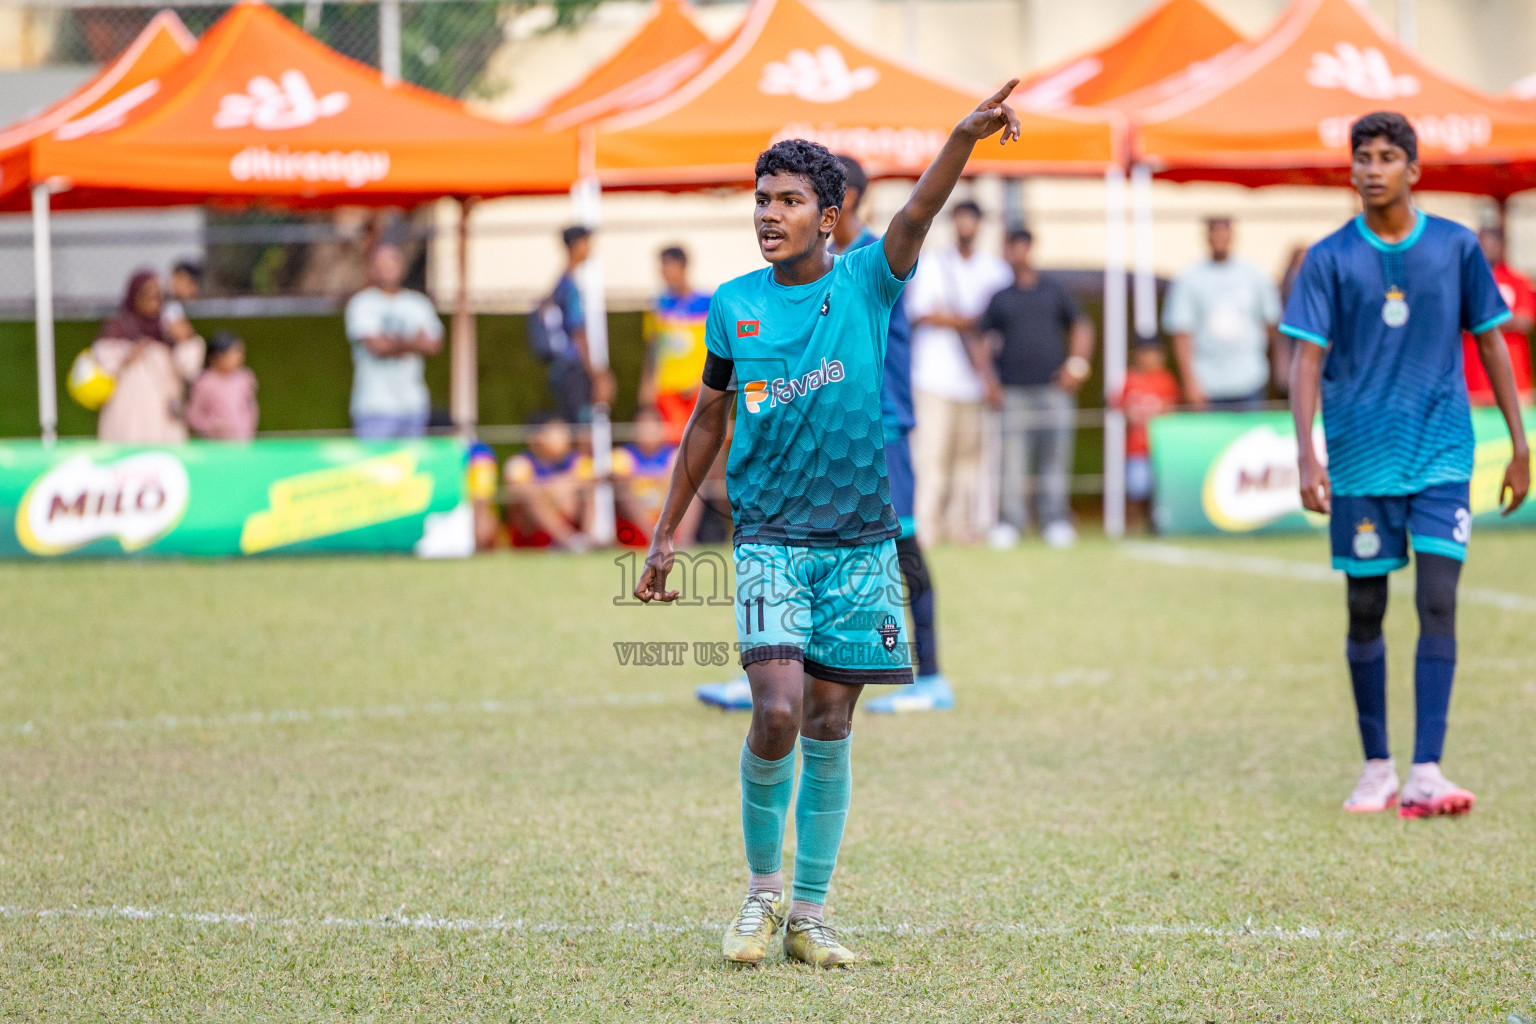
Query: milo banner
point(91, 500)
point(1236, 472)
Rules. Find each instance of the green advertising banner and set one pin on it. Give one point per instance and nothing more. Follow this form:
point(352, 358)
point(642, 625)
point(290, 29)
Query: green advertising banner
point(1236, 472)
point(93, 500)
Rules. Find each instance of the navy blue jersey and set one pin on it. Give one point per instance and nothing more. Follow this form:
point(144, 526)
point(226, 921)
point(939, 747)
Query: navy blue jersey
point(1395, 409)
point(896, 387)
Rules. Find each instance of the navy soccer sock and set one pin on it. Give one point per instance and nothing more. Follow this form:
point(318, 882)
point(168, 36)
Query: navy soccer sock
point(1434, 671)
point(1435, 663)
point(1368, 673)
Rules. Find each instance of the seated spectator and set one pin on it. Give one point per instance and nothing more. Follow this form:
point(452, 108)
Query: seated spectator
point(150, 371)
point(549, 490)
point(480, 489)
point(641, 471)
point(1150, 391)
point(223, 403)
point(186, 286)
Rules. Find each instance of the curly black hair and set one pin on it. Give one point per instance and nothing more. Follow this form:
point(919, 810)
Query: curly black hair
point(1389, 125)
point(813, 162)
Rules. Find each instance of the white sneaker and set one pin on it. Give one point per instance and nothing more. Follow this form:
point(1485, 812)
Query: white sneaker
point(1377, 789)
point(1429, 793)
point(1059, 534)
point(1003, 536)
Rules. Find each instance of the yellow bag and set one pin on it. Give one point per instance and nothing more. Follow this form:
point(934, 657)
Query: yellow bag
point(88, 383)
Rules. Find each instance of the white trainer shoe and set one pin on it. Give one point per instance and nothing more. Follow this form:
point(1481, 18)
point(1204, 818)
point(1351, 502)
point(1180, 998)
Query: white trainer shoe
point(1377, 789)
point(1059, 534)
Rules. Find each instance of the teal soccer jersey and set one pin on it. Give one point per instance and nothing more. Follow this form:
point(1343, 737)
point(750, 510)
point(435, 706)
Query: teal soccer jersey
point(1395, 409)
point(807, 462)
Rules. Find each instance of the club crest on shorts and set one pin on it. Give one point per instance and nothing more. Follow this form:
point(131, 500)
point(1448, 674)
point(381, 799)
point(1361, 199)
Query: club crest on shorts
point(888, 631)
point(1367, 541)
point(1394, 312)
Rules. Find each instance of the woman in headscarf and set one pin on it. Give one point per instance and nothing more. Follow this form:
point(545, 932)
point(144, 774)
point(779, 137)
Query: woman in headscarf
point(152, 372)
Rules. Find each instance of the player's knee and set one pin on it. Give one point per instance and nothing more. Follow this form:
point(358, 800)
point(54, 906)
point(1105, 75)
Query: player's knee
point(828, 722)
point(1435, 594)
point(1367, 597)
point(776, 719)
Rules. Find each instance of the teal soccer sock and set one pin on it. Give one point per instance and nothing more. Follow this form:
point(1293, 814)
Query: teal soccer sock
point(766, 787)
point(826, 786)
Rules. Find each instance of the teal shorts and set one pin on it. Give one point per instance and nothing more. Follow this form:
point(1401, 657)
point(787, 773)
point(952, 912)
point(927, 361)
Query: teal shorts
point(839, 610)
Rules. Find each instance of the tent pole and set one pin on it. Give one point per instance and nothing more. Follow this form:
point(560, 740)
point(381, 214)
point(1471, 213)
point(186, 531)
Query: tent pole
point(1144, 288)
point(389, 41)
point(587, 195)
point(463, 358)
point(42, 275)
point(1115, 349)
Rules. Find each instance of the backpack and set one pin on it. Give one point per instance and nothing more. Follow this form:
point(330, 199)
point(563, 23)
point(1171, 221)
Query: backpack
point(547, 336)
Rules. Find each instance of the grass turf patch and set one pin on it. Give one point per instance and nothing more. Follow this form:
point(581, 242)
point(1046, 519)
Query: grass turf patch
point(331, 788)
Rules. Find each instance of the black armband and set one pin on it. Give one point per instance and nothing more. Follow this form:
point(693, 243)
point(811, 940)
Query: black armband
point(718, 372)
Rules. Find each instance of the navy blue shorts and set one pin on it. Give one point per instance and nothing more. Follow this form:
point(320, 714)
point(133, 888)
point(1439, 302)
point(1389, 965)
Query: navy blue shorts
point(898, 471)
point(1371, 535)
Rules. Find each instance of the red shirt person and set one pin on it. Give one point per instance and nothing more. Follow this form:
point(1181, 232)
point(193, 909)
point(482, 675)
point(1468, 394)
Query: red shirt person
point(1520, 296)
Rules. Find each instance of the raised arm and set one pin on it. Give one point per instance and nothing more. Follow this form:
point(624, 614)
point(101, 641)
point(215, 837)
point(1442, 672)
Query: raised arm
point(904, 237)
point(702, 439)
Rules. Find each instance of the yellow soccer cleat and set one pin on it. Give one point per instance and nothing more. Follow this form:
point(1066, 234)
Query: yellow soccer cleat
point(760, 916)
point(815, 942)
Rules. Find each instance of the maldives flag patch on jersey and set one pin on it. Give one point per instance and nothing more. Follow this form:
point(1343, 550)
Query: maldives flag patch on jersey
point(746, 328)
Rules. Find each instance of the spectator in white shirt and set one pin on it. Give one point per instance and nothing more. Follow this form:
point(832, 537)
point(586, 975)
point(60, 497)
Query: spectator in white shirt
point(391, 329)
point(948, 293)
point(1223, 314)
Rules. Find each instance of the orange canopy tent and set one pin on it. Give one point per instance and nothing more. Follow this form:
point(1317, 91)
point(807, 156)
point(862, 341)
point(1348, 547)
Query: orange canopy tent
point(667, 49)
point(1279, 111)
point(787, 73)
point(262, 111)
point(105, 100)
point(1177, 37)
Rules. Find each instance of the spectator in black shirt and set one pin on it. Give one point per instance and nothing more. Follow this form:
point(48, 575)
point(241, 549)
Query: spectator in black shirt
point(1033, 354)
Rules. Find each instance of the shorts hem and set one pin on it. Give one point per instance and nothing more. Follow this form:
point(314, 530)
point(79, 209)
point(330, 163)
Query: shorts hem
point(1440, 546)
point(859, 676)
point(1368, 567)
point(771, 652)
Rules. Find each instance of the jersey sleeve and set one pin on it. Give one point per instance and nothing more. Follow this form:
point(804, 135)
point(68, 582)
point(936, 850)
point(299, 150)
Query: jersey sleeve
point(568, 297)
point(1070, 311)
point(1309, 313)
point(362, 318)
point(1482, 307)
point(430, 321)
point(992, 317)
point(872, 271)
point(1178, 308)
point(716, 338)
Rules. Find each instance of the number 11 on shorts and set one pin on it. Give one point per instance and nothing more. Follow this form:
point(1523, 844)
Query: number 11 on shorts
point(746, 615)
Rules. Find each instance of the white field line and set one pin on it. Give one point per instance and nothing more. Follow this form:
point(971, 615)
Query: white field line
point(1308, 572)
point(401, 921)
point(382, 711)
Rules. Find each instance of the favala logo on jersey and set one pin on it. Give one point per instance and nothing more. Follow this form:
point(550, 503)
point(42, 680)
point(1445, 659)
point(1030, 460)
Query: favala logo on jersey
point(137, 500)
point(782, 392)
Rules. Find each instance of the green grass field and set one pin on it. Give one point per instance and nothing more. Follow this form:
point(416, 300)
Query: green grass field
point(391, 790)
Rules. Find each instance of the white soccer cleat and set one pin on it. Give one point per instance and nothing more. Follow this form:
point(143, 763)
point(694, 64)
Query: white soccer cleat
point(1429, 794)
point(1377, 789)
